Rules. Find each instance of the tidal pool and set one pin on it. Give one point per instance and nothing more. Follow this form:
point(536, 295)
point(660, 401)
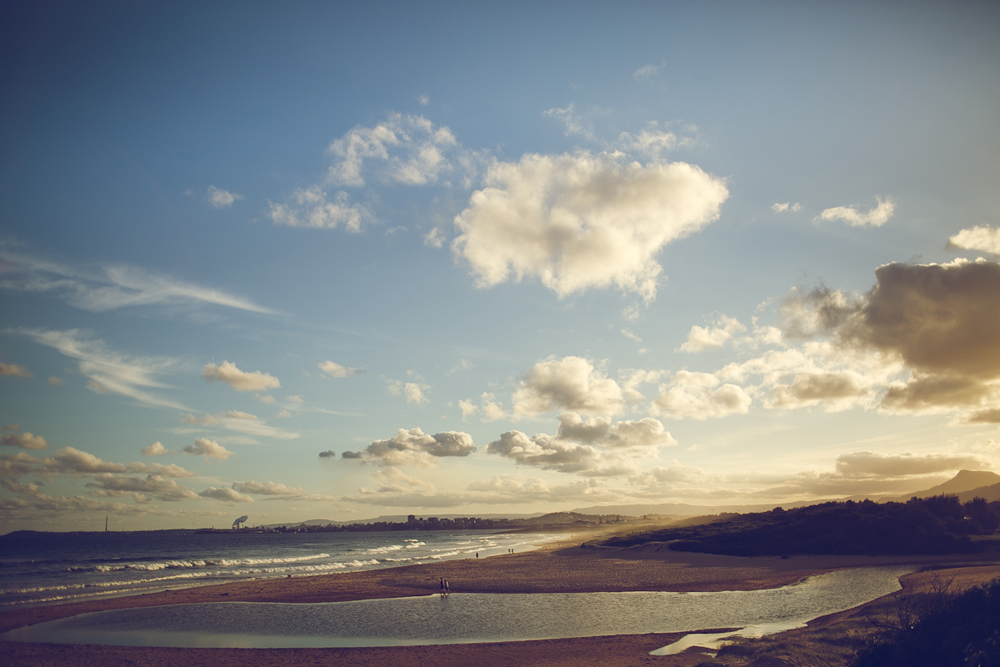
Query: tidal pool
point(465, 617)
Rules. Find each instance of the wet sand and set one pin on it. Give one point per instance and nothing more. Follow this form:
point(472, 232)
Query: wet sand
point(563, 567)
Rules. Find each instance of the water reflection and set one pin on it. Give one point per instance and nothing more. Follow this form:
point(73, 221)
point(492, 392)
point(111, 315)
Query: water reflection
point(462, 618)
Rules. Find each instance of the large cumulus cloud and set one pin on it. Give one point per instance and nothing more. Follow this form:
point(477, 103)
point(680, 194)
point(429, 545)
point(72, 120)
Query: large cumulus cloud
point(940, 321)
point(570, 383)
point(580, 220)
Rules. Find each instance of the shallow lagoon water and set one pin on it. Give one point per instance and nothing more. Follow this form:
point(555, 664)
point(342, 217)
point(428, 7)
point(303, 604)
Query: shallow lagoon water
point(465, 617)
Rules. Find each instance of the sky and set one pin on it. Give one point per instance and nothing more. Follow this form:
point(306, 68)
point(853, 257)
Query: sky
point(324, 260)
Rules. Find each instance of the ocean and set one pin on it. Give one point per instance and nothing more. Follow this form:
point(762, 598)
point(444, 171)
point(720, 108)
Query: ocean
point(46, 568)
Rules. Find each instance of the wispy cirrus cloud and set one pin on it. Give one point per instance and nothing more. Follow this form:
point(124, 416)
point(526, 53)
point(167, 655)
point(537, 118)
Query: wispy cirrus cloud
point(108, 287)
point(108, 370)
point(241, 422)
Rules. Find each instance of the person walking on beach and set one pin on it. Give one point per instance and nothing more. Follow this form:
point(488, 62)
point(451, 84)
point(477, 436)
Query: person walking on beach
point(442, 587)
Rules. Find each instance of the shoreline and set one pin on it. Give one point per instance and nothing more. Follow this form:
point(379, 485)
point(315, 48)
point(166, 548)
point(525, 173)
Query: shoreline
point(561, 567)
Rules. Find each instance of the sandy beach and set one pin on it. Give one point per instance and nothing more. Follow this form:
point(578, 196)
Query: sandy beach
point(563, 567)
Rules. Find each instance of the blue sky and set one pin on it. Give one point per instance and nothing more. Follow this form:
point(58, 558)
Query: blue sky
point(336, 260)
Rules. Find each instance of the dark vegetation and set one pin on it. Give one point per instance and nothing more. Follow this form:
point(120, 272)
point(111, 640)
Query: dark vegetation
point(951, 631)
point(936, 525)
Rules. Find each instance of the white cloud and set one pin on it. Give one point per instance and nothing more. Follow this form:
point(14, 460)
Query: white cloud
point(415, 447)
point(25, 440)
point(311, 207)
point(634, 378)
point(492, 408)
point(275, 491)
point(226, 495)
point(570, 383)
point(700, 396)
point(577, 221)
point(875, 217)
point(14, 370)
point(594, 447)
point(267, 489)
point(412, 391)
point(572, 121)
point(984, 239)
point(109, 287)
point(403, 148)
point(71, 461)
point(628, 334)
point(703, 338)
point(141, 488)
point(155, 449)
point(209, 449)
point(651, 142)
point(221, 198)
point(467, 407)
point(109, 371)
point(646, 72)
point(335, 370)
point(434, 238)
point(787, 206)
point(239, 380)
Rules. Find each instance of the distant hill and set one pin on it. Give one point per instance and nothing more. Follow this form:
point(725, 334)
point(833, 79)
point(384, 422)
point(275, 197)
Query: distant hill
point(570, 517)
point(964, 482)
point(683, 510)
point(989, 493)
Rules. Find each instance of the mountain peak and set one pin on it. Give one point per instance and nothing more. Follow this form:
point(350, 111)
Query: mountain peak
point(965, 480)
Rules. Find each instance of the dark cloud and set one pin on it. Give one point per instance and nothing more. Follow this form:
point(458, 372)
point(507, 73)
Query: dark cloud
point(351, 455)
point(328, 454)
point(985, 417)
point(941, 321)
point(808, 387)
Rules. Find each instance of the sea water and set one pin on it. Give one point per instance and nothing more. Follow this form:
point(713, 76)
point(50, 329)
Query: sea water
point(470, 617)
point(40, 568)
